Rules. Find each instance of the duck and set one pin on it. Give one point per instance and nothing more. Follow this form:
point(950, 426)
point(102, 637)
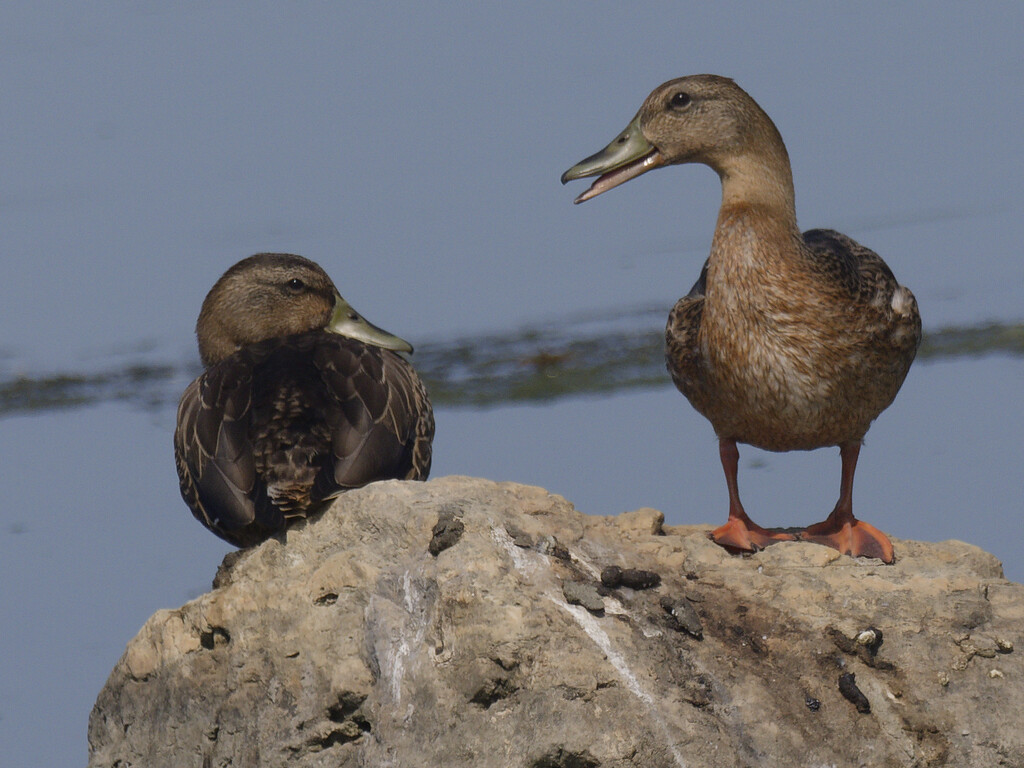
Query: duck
point(787, 340)
point(301, 399)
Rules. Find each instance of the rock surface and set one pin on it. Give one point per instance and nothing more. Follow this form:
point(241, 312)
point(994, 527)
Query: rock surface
point(427, 624)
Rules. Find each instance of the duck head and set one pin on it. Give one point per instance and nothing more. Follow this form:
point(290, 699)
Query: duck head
point(278, 294)
point(696, 119)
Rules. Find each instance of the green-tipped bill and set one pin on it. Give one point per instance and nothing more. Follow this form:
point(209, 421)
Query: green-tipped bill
point(345, 321)
point(625, 158)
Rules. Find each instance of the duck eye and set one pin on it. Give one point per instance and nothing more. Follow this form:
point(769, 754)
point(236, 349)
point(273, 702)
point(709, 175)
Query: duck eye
point(295, 285)
point(680, 100)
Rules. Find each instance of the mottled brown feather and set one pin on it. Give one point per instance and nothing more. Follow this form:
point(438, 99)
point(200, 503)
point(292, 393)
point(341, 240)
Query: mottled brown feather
point(273, 430)
point(801, 350)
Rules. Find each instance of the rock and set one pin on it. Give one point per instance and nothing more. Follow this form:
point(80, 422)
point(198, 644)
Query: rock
point(581, 593)
point(684, 617)
point(446, 532)
point(346, 642)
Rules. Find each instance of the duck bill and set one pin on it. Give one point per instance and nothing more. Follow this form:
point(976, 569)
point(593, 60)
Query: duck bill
point(630, 155)
point(345, 321)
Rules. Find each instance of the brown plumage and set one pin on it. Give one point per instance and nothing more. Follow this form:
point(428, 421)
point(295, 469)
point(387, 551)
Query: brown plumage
point(301, 400)
point(787, 341)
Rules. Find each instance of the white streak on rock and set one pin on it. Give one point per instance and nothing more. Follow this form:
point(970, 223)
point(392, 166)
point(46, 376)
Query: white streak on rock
point(594, 631)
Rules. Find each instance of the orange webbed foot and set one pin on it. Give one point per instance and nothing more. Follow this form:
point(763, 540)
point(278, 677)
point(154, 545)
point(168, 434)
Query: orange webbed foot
point(853, 537)
point(747, 536)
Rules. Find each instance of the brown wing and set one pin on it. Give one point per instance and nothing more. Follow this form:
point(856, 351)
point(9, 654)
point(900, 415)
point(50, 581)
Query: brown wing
point(889, 311)
point(214, 456)
point(858, 270)
point(683, 357)
point(380, 418)
point(283, 425)
point(881, 321)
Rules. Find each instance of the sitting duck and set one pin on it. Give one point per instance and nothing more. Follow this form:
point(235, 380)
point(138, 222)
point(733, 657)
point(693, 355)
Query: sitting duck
point(787, 341)
point(301, 399)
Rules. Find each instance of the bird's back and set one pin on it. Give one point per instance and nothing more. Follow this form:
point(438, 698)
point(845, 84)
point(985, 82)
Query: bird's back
point(279, 427)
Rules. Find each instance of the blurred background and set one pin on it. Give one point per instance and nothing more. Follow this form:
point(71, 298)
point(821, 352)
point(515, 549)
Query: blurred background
point(415, 152)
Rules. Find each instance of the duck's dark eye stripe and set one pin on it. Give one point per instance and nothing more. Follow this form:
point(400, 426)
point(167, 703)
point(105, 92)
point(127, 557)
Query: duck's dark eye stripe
point(680, 99)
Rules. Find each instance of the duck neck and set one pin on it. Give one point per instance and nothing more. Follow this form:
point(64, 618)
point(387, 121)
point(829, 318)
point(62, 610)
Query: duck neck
point(762, 181)
point(758, 203)
point(756, 236)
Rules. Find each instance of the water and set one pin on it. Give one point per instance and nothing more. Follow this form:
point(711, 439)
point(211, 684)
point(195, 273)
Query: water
point(416, 156)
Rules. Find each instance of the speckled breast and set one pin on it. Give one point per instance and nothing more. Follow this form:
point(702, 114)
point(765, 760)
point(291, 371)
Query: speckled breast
point(782, 384)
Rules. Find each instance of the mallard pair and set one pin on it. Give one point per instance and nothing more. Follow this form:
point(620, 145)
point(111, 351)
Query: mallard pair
point(787, 341)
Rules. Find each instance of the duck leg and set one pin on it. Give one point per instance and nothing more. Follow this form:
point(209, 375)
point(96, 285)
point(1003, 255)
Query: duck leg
point(841, 530)
point(740, 532)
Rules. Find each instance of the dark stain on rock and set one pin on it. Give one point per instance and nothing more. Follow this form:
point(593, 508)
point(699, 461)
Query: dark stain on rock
point(347, 704)
point(506, 659)
point(549, 545)
point(485, 681)
point(682, 616)
point(848, 687)
point(519, 537)
point(931, 745)
point(758, 645)
point(347, 712)
point(572, 693)
point(697, 691)
point(973, 612)
point(348, 732)
point(213, 637)
point(223, 576)
point(447, 531)
point(559, 757)
point(749, 637)
point(634, 578)
point(493, 689)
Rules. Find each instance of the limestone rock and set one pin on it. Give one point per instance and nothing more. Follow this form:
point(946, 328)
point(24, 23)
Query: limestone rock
point(352, 641)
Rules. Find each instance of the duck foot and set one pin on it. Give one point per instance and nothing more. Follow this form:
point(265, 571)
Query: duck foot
point(745, 536)
point(740, 533)
point(841, 530)
point(851, 537)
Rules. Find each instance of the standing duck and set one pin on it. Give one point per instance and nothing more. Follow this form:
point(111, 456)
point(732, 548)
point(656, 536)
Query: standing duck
point(787, 341)
point(301, 400)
